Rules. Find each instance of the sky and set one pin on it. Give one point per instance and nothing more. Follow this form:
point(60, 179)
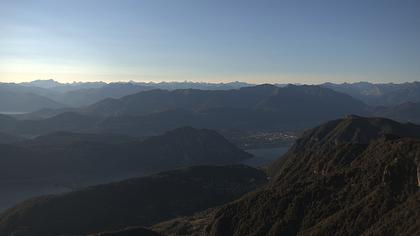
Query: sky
point(257, 41)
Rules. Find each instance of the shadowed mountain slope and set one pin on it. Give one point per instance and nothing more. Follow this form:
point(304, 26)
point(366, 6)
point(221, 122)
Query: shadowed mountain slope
point(340, 178)
point(138, 201)
point(353, 176)
point(62, 155)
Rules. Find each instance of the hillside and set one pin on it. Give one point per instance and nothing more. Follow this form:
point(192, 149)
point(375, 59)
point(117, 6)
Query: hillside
point(138, 201)
point(90, 156)
point(354, 176)
point(339, 168)
point(63, 161)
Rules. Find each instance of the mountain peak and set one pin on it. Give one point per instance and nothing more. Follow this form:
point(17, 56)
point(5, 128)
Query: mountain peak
point(358, 129)
point(349, 172)
point(47, 83)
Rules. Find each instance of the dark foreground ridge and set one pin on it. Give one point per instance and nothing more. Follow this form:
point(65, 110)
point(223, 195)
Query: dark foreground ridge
point(139, 201)
point(353, 176)
point(132, 231)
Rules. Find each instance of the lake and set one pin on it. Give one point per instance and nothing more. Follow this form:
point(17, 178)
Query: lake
point(264, 156)
point(12, 113)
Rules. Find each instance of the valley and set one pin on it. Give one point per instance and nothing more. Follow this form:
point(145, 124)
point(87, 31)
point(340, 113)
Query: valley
point(190, 162)
point(209, 118)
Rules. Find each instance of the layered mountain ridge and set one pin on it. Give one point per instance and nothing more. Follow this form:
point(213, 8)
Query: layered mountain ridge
point(264, 107)
point(65, 161)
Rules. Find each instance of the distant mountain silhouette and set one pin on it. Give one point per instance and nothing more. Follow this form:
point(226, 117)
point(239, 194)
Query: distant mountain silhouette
point(138, 201)
point(20, 99)
point(405, 112)
point(351, 176)
point(155, 111)
point(268, 97)
point(56, 86)
point(65, 87)
point(47, 94)
point(47, 84)
point(83, 94)
point(78, 94)
point(381, 94)
point(259, 107)
point(87, 96)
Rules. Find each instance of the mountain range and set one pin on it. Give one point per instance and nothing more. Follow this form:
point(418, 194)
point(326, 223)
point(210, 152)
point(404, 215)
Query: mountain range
point(44, 94)
point(380, 94)
point(350, 176)
point(154, 111)
point(50, 94)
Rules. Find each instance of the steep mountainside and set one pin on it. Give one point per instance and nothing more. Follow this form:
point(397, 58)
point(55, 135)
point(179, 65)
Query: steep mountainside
point(139, 201)
point(341, 178)
point(354, 176)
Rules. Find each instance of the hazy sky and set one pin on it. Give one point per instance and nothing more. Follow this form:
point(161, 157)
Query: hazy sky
point(215, 40)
